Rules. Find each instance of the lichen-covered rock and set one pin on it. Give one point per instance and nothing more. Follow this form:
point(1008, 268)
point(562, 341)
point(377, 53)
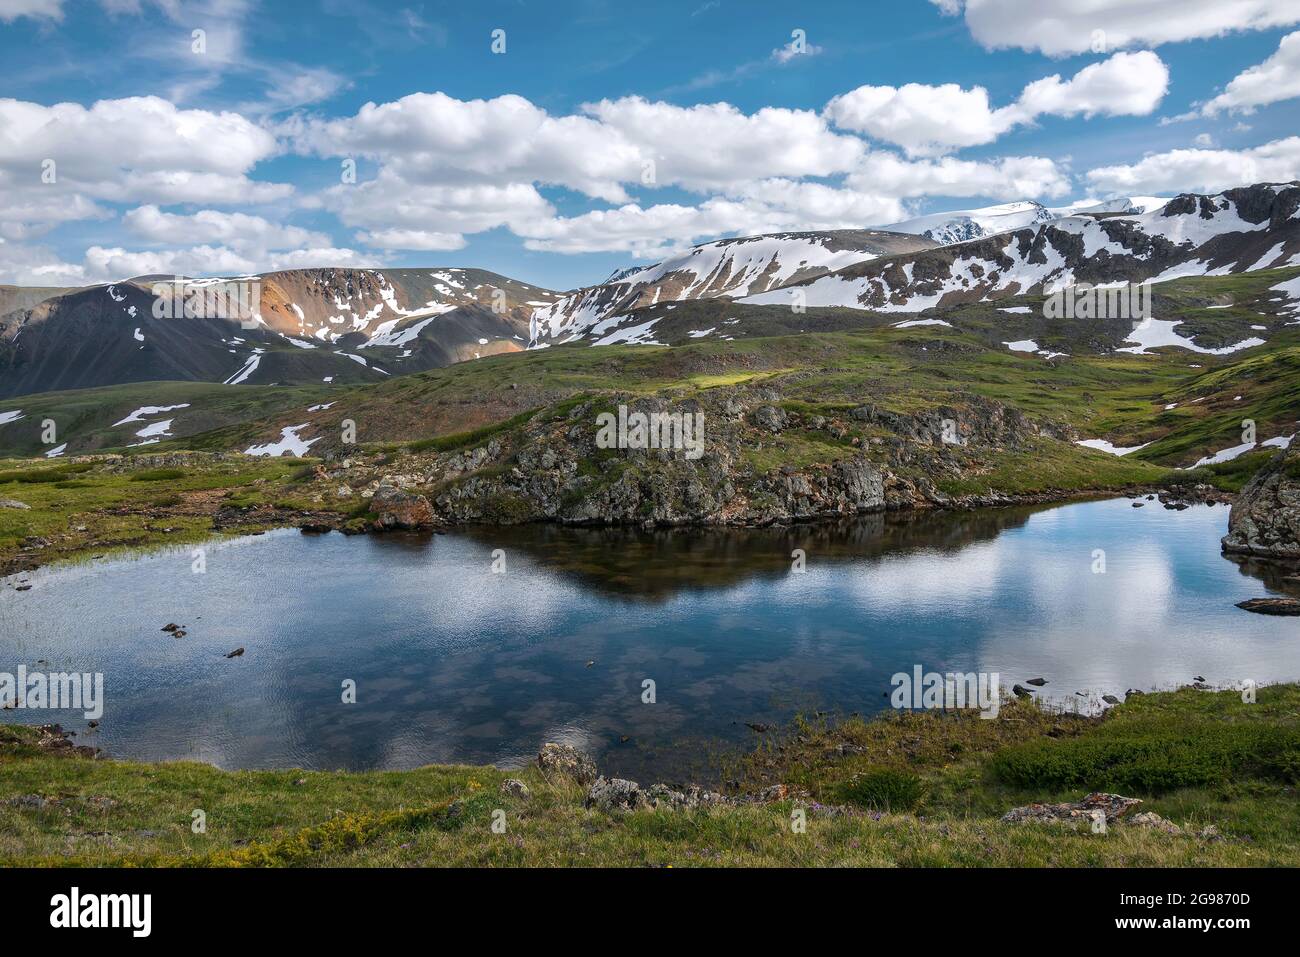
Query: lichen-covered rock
point(513, 787)
point(616, 794)
point(770, 418)
point(1154, 822)
point(1265, 519)
point(1113, 806)
point(567, 761)
point(13, 503)
point(394, 508)
point(682, 797)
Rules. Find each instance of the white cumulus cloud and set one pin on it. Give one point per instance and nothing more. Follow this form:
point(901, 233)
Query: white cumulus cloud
point(1277, 78)
point(1064, 27)
point(931, 120)
point(240, 231)
point(1202, 170)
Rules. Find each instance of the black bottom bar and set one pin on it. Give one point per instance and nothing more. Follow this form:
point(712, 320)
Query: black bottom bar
point(336, 906)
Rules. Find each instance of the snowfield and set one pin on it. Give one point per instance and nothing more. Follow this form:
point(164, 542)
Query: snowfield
point(1153, 333)
point(1022, 345)
point(149, 410)
point(290, 443)
point(1102, 445)
point(1227, 455)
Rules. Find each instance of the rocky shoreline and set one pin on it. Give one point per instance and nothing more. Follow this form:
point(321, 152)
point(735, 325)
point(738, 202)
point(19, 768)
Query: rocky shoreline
point(1097, 810)
point(762, 464)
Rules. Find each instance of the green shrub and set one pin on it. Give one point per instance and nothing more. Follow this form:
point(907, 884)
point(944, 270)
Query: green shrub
point(506, 508)
point(35, 476)
point(1153, 758)
point(459, 440)
point(158, 475)
point(885, 789)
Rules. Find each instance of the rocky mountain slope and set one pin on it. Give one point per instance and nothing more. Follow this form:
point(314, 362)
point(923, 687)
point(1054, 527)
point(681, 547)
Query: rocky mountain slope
point(726, 268)
point(312, 325)
point(958, 226)
point(1246, 229)
point(962, 225)
point(359, 325)
point(1253, 227)
point(24, 297)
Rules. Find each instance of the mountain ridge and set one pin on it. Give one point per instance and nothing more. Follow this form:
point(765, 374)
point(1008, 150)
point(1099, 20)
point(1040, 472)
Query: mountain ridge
point(338, 325)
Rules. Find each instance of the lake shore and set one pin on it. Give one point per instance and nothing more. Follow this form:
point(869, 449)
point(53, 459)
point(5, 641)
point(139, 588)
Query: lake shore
point(1216, 778)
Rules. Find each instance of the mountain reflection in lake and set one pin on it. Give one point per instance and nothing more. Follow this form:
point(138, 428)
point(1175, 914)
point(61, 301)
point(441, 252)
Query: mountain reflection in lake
point(454, 663)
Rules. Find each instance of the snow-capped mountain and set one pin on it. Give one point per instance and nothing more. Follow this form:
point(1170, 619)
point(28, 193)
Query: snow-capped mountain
point(725, 267)
point(336, 325)
point(354, 325)
point(1255, 227)
point(963, 225)
point(1125, 204)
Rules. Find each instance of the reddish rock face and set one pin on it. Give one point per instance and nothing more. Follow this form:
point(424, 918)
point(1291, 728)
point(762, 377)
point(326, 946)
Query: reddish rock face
point(394, 508)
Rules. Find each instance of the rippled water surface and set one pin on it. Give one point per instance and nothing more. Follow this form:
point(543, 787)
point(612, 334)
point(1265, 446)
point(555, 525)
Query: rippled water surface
point(454, 663)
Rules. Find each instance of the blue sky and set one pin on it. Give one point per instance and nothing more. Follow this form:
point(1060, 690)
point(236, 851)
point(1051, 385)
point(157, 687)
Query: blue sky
point(230, 158)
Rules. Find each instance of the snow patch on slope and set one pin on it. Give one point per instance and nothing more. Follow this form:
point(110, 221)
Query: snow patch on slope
point(290, 443)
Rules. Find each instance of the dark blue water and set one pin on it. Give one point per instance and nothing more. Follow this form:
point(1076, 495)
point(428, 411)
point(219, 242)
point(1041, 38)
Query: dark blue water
point(454, 663)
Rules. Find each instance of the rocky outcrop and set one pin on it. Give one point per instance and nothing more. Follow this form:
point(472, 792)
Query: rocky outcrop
point(755, 461)
point(559, 471)
point(1265, 519)
point(396, 509)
